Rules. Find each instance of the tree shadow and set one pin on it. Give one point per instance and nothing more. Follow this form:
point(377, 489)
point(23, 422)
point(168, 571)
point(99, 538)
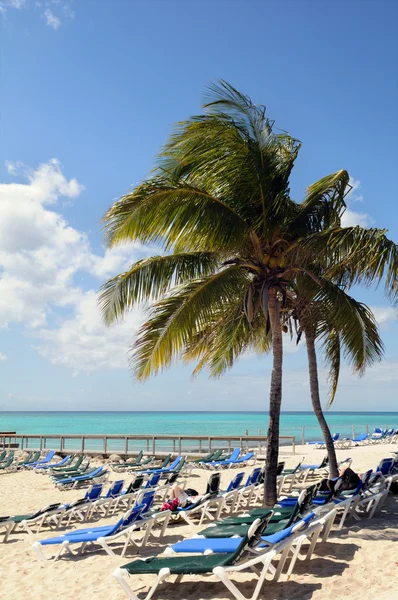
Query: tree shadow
point(211, 590)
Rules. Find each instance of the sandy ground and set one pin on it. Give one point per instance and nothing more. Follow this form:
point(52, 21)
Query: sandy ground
point(359, 562)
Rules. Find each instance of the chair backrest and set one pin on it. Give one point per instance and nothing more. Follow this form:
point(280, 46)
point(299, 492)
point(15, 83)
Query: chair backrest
point(78, 462)
point(304, 500)
point(115, 489)
point(279, 468)
point(46, 509)
point(175, 463)
point(213, 484)
point(135, 484)
point(216, 455)
point(94, 492)
point(235, 454)
point(153, 480)
point(131, 516)
point(139, 456)
point(147, 500)
point(7, 463)
point(257, 529)
point(385, 466)
point(377, 430)
point(172, 477)
point(336, 437)
point(324, 463)
point(363, 482)
point(253, 477)
point(235, 482)
point(180, 464)
point(166, 461)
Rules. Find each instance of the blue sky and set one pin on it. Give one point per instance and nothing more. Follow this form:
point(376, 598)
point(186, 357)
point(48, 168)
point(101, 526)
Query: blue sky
point(89, 92)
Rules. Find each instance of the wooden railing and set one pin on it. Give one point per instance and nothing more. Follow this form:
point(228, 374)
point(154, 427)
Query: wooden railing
point(131, 444)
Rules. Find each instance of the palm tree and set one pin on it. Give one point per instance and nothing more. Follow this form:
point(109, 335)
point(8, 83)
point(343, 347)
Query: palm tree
point(340, 323)
point(220, 206)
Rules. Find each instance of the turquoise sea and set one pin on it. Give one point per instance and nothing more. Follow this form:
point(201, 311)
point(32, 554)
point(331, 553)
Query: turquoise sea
point(190, 423)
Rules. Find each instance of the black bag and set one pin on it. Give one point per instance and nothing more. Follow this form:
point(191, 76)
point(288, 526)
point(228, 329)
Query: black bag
point(394, 488)
point(191, 492)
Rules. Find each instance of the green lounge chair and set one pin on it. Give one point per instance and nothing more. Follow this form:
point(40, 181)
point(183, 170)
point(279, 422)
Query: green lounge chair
point(2, 455)
point(220, 565)
point(32, 457)
point(8, 465)
point(72, 472)
point(74, 467)
point(125, 465)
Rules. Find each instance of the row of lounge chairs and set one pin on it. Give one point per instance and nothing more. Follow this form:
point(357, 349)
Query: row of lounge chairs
point(384, 436)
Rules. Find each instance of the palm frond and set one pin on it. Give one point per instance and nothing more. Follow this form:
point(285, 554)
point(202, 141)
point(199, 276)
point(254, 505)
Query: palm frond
point(179, 216)
point(151, 278)
point(177, 318)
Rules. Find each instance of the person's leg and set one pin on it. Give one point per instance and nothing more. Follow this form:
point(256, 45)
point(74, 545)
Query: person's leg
point(176, 491)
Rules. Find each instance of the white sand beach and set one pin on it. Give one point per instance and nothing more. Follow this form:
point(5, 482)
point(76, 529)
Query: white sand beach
point(359, 562)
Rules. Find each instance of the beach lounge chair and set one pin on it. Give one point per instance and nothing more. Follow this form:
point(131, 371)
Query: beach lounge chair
point(212, 456)
point(307, 470)
point(386, 466)
point(31, 458)
point(67, 469)
point(124, 465)
point(11, 524)
point(215, 464)
point(281, 518)
point(104, 504)
point(8, 466)
point(3, 455)
point(71, 471)
point(171, 467)
point(163, 465)
point(129, 466)
point(362, 438)
point(247, 492)
point(42, 468)
point(49, 456)
point(322, 443)
point(98, 474)
point(85, 536)
point(222, 565)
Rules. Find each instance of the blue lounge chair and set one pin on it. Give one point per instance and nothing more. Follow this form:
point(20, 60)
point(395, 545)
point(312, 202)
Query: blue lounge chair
point(41, 466)
point(219, 463)
point(88, 535)
point(174, 465)
point(322, 444)
point(49, 456)
point(386, 466)
point(200, 545)
point(99, 472)
point(359, 439)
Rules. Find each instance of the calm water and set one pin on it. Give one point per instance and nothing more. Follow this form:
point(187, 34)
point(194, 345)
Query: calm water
point(186, 423)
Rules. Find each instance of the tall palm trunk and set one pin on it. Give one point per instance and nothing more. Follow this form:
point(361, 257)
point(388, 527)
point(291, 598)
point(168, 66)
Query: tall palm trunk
point(270, 495)
point(316, 403)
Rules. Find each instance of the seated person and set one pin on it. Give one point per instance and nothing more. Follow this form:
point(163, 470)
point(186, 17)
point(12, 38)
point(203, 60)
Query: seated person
point(350, 481)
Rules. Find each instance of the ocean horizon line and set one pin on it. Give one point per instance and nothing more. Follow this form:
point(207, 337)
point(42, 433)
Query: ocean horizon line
point(219, 412)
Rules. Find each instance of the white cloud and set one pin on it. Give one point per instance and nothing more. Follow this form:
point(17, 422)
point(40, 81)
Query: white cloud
point(52, 13)
point(384, 315)
point(353, 196)
point(2, 357)
point(40, 257)
point(51, 19)
point(84, 343)
point(352, 218)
